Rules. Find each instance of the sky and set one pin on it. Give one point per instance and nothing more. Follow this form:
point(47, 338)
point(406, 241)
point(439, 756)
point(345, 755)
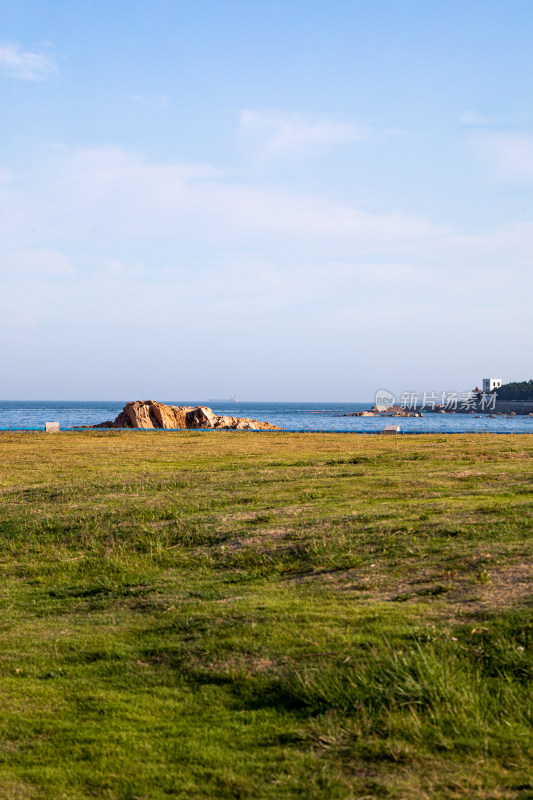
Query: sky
point(282, 200)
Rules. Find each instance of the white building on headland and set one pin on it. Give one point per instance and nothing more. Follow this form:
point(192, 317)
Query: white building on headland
point(490, 384)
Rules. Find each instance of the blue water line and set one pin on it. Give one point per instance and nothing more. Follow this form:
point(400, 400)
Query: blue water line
point(284, 430)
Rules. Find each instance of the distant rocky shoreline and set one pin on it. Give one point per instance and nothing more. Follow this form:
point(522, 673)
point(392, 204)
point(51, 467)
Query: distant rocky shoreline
point(503, 409)
point(393, 411)
point(149, 414)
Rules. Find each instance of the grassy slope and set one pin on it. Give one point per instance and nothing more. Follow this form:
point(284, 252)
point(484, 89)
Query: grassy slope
point(265, 616)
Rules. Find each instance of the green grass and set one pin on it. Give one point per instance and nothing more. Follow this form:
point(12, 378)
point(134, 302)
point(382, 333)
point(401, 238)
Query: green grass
point(240, 615)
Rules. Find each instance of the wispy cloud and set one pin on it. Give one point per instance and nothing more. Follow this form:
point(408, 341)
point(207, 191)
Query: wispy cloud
point(124, 193)
point(505, 149)
point(276, 132)
point(113, 247)
point(101, 202)
point(509, 154)
point(25, 65)
point(473, 119)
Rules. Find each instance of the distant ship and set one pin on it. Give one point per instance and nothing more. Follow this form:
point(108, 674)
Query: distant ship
point(231, 399)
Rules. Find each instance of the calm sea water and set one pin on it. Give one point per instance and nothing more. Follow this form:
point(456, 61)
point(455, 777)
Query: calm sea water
point(292, 416)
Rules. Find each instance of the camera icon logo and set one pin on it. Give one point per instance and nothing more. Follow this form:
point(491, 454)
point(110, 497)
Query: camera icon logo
point(384, 399)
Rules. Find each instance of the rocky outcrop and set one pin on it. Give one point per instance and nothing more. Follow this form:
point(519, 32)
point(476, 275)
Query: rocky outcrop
point(392, 411)
point(169, 416)
point(141, 415)
point(122, 421)
point(148, 414)
point(201, 417)
point(243, 424)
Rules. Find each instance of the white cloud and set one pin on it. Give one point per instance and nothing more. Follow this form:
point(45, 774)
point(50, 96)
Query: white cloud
point(199, 275)
point(127, 241)
point(112, 207)
point(42, 262)
point(113, 196)
point(510, 154)
point(25, 64)
point(473, 119)
point(274, 132)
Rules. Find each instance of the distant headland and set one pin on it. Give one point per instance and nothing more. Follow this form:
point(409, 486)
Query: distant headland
point(495, 399)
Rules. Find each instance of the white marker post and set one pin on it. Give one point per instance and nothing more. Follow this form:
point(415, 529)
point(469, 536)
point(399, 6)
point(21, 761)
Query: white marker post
point(51, 427)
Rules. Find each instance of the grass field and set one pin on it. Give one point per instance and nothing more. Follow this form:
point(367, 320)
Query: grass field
point(241, 615)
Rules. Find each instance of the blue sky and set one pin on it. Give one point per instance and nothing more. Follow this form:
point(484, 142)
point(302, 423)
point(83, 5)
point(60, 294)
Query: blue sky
point(282, 200)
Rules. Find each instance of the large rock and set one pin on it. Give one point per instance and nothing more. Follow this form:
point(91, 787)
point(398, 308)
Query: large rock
point(171, 416)
point(122, 421)
point(141, 414)
point(148, 414)
point(201, 417)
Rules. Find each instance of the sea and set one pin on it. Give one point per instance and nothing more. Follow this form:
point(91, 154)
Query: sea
point(32, 415)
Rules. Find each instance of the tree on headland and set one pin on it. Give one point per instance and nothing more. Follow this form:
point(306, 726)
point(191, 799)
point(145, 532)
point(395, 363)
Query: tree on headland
point(516, 391)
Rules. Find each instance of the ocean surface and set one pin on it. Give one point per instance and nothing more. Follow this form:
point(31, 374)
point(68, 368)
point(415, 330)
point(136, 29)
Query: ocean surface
point(291, 416)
